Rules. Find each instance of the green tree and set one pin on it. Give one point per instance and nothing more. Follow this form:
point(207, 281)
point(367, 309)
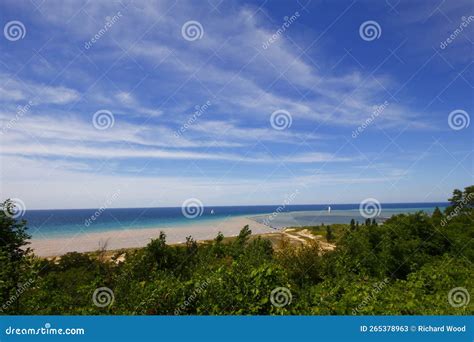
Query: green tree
point(462, 201)
point(352, 224)
point(329, 234)
point(437, 216)
point(13, 256)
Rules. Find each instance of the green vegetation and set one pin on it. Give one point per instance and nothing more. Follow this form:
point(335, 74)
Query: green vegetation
point(406, 266)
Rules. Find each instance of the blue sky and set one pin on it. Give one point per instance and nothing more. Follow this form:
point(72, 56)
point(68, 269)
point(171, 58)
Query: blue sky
point(192, 110)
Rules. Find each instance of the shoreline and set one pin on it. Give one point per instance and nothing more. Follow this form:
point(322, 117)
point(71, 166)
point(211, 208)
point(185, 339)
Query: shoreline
point(127, 238)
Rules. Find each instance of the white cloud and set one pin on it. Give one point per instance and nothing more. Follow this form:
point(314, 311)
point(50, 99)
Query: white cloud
point(15, 90)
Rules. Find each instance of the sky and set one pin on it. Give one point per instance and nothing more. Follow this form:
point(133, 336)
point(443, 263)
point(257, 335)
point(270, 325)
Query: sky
point(151, 103)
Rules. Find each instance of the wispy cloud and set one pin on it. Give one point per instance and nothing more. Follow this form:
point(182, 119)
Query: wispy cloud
point(15, 90)
point(151, 80)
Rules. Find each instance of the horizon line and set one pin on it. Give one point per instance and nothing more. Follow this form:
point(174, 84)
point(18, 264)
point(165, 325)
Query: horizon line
point(240, 205)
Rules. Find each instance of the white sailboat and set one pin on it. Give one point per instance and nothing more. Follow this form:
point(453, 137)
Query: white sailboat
point(329, 209)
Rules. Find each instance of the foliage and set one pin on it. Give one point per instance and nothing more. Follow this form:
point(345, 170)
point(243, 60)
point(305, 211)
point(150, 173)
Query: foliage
point(14, 258)
point(407, 265)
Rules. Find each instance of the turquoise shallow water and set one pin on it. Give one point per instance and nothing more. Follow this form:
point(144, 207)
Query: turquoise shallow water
point(64, 223)
point(309, 218)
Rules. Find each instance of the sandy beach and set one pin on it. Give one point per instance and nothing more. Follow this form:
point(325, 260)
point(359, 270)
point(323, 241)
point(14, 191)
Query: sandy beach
point(127, 238)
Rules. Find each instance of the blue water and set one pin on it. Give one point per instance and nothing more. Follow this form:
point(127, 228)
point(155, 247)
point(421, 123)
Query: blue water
point(69, 222)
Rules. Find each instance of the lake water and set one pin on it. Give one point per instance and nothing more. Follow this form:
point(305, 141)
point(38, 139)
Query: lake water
point(69, 222)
